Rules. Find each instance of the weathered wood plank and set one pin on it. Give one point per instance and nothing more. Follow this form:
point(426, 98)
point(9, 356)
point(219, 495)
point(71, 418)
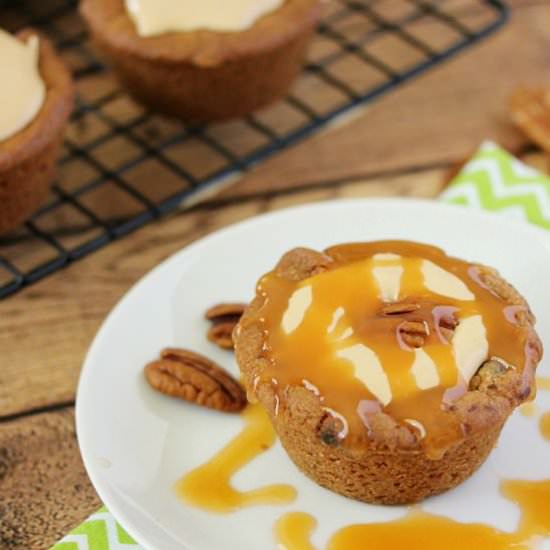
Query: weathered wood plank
point(44, 490)
point(440, 117)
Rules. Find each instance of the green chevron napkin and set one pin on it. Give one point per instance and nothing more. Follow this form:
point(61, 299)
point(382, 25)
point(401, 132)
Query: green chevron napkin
point(492, 180)
point(99, 532)
point(497, 181)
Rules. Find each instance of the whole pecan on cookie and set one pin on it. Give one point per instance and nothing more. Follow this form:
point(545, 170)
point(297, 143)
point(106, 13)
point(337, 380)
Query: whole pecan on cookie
point(224, 318)
point(413, 332)
point(399, 308)
point(188, 375)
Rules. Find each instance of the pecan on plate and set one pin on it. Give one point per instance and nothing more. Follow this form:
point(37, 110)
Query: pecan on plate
point(193, 377)
point(224, 318)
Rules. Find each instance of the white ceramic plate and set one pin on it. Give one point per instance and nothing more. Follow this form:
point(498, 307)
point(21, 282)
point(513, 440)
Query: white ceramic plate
point(137, 443)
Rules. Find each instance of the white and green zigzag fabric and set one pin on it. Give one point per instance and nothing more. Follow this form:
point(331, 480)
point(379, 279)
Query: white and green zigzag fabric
point(99, 532)
point(492, 180)
point(495, 180)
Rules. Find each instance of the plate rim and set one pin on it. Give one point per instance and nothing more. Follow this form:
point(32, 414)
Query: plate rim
point(491, 217)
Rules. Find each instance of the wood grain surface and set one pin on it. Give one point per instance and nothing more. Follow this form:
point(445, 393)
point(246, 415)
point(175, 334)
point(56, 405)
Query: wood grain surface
point(431, 121)
point(403, 145)
point(44, 488)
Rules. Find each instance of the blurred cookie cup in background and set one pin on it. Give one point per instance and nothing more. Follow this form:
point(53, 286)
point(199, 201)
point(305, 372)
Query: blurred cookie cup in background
point(36, 99)
point(203, 61)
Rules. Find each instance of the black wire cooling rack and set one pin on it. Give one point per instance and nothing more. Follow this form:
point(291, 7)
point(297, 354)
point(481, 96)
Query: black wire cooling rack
point(123, 166)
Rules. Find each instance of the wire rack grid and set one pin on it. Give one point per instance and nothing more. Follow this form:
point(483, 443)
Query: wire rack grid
point(123, 166)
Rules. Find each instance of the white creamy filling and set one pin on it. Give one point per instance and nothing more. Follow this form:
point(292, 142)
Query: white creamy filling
point(368, 369)
point(424, 370)
point(470, 346)
point(298, 304)
point(388, 279)
point(348, 333)
point(442, 282)
point(154, 17)
point(387, 271)
point(22, 92)
point(336, 316)
point(385, 256)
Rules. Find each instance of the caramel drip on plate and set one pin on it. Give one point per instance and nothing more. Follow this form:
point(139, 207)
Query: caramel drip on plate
point(533, 498)
point(293, 531)
point(419, 530)
point(544, 426)
point(543, 383)
point(209, 486)
point(528, 409)
point(333, 331)
point(422, 531)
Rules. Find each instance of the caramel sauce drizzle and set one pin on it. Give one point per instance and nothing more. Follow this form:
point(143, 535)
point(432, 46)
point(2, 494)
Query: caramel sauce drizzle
point(533, 498)
point(209, 486)
point(419, 530)
point(544, 426)
point(307, 354)
point(543, 383)
point(293, 531)
point(528, 409)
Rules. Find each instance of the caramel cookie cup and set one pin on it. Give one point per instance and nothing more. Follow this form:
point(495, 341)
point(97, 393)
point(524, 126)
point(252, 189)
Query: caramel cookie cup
point(381, 393)
point(205, 75)
point(28, 158)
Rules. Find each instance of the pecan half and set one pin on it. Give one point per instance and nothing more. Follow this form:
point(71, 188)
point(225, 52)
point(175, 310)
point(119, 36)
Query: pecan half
point(222, 311)
point(301, 263)
point(224, 318)
point(221, 334)
point(447, 326)
point(399, 308)
point(188, 375)
point(414, 333)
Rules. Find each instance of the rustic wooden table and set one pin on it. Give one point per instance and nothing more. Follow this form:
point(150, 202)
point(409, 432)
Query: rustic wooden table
point(404, 144)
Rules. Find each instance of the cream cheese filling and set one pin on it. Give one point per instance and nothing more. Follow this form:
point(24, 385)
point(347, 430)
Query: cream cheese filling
point(154, 17)
point(23, 91)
